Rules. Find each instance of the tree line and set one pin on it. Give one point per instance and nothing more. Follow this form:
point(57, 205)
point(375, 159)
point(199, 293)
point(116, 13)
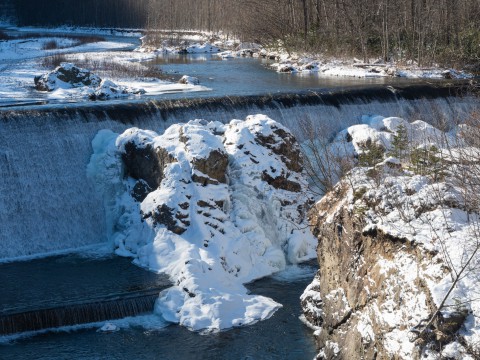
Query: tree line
point(427, 31)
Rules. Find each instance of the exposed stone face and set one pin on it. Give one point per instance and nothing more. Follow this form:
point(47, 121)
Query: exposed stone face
point(365, 280)
point(348, 266)
point(215, 166)
point(284, 144)
point(281, 182)
point(141, 190)
point(165, 215)
point(146, 163)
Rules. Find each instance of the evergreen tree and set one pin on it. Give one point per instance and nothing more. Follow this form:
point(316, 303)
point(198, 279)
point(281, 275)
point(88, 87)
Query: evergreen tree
point(371, 154)
point(400, 143)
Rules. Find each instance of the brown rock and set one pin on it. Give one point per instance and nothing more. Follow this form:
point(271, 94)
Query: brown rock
point(281, 182)
point(146, 163)
point(351, 281)
point(287, 148)
point(215, 166)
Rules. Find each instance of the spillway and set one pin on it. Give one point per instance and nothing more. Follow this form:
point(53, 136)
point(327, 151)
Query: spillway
point(48, 204)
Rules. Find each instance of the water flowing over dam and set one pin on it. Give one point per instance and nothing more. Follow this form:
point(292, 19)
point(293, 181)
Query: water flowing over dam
point(49, 205)
point(71, 290)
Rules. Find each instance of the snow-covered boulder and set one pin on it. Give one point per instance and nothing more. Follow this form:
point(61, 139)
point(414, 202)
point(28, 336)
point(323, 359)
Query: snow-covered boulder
point(213, 205)
point(191, 80)
point(285, 68)
point(66, 76)
point(200, 49)
point(109, 90)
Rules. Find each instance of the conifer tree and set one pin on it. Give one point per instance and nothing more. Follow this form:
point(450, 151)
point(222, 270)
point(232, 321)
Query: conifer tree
point(400, 143)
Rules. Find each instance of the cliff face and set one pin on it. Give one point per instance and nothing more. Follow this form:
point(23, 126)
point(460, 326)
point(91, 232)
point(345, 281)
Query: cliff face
point(391, 245)
point(355, 283)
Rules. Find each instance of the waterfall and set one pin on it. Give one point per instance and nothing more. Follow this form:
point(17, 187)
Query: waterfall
point(76, 314)
point(49, 205)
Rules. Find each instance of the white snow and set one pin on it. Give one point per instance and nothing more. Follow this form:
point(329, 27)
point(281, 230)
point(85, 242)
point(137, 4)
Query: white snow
point(347, 68)
point(21, 61)
point(251, 235)
point(108, 327)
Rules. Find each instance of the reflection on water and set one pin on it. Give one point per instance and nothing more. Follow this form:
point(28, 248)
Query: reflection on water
point(250, 76)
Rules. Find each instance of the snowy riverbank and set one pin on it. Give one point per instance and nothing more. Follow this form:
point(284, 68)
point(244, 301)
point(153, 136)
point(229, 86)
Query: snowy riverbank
point(398, 245)
point(29, 52)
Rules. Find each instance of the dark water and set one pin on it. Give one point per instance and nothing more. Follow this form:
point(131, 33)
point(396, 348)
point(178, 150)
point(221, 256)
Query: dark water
point(283, 336)
point(62, 280)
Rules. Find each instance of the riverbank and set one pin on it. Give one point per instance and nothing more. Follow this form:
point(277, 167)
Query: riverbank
point(31, 52)
point(399, 245)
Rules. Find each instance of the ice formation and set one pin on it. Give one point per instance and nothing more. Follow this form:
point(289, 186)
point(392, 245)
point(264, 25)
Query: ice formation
point(215, 206)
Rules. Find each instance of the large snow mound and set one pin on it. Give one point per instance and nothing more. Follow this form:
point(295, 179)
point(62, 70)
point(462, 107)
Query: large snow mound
point(212, 205)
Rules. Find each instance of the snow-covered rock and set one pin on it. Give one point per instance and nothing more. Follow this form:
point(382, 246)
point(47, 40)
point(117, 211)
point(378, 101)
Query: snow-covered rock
point(109, 90)
point(392, 239)
point(66, 76)
point(192, 80)
point(108, 328)
point(89, 85)
point(212, 205)
point(200, 49)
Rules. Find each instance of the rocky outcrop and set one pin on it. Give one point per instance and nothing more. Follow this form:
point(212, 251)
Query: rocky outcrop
point(391, 246)
point(192, 203)
point(371, 289)
point(206, 152)
point(66, 75)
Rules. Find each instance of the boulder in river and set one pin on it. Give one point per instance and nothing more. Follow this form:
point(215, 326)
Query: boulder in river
point(66, 76)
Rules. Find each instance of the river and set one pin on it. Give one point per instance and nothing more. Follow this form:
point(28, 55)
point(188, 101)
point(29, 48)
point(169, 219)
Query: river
point(283, 336)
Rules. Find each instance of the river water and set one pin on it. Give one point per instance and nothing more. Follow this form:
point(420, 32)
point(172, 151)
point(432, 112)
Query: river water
point(251, 76)
point(283, 336)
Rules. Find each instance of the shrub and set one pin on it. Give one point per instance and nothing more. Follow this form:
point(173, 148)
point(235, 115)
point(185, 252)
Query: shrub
point(371, 154)
point(50, 45)
point(426, 161)
point(51, 62)
point(400, 143)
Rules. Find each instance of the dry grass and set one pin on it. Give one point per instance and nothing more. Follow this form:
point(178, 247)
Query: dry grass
point(50, 45)
point(51, 62)
point(105, 67)
point(4, 36)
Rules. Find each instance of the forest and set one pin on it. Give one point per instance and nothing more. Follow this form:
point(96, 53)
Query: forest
point(445, 32)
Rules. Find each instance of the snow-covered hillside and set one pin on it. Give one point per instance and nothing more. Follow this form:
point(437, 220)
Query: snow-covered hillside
point(398, 241)
point(212, 205)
